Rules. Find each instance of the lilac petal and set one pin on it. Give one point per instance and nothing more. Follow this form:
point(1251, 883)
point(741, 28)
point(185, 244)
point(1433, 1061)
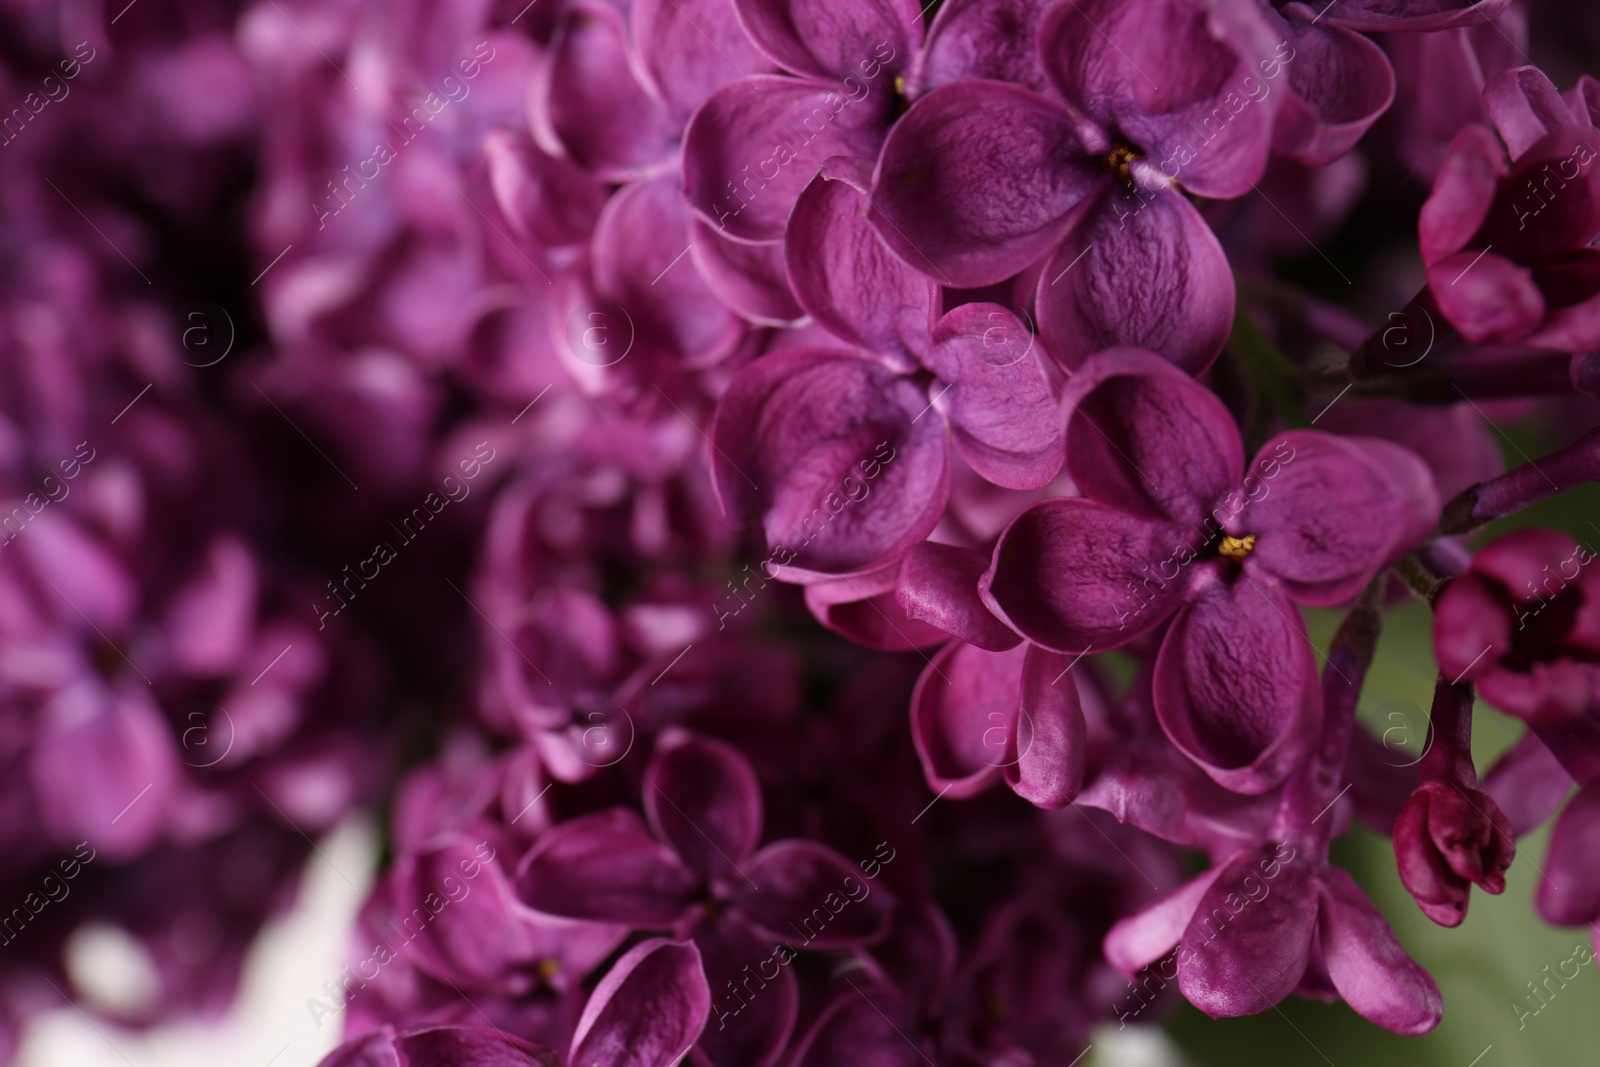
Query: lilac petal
point(1236, 686)
point(1342, 83)
point(1140, 269)
point(1002, 411)
point(471, 930)
point(1242, 954)
point(755, 995)
point(1463, 193)
point(963, 716)
point(865, 609)
point(1569, 894)
point(639, 263)
point(846, 278)
point(1330, 512)
point(864, 1030)
point(1071, 575)
point(1528, 783)
point(1372, 972)
point(1524, 106)
point(1570, 327)
point(832, 455)
point(939, 585)
point(989, 39)
point(748, 276)
point(586, 104)
point(1414, 16)
point(104, 769)
point(976, 181)
point(77, 576)
point(857, 40)
point(542, 196)
point(689, 49)
point(1046, 748)
point(1178, 78)
point(1145, 438)
point(1141, 939)
point(1488, 298)
point(810, 897)
point(212, 617)
point(607, 867)
point(755, 144)
point(1550, 201)
point(441, 1046)
point(647, 1011)
point(701, 796)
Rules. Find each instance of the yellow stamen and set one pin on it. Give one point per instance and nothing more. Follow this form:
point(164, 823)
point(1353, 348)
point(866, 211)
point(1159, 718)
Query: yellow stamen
point(1117, 162)
point(900, 85)
point(1237, 548)
point(548, 969)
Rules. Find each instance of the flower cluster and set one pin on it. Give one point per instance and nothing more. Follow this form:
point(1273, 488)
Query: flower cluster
point(796, 513)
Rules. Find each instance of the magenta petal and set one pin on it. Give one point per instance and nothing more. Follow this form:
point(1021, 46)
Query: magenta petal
point(689, 49)
point(586, 103)
point(964, 715)
point(1342, 83)
point(832, 455)
point(104, 769)
point(647, 1011)
point(865, 609)
point(748, 276)
point(1415, 16)
point(1569, 894)
point(939, 585)
point(1463, 193)
point(639, 263)
point(864, 1029)
point(1140, 269)
point(1245, 952)
point(1183, 80)
point(1142, 938)
point(1524, 106)
point(846, 278)
point(1372, 972)
point(606, 866)
point(702, 797)
point(1236, 685)
point(1071, 575)
point(476, 929)
point(1144, 437)
point(436, 1046)
point(1488, 298)
point(989, 39)
point(755, 144)
point(542, 196)
point(835, 40)
point(1047, 746)
point(1528, 783)
point(212, 617)
point(1002, 412)
point(1329, 512)
point(809, 896)
point(976, 180)
point(751, 1017)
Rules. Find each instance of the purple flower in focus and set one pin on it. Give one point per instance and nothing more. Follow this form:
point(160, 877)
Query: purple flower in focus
point(1170, 527)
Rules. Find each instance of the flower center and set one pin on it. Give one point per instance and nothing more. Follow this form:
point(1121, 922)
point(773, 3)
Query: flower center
point(1236, 548)
point(1117, 162)
point(549, 968)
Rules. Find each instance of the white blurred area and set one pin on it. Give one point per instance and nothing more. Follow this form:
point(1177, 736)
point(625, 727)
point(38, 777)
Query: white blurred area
point(269, 1025)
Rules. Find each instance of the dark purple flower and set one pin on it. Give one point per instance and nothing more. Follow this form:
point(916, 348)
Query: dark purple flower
point(1523, 626)
point(1170, 527)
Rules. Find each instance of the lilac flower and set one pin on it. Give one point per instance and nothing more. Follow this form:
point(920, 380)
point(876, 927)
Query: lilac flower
point(1506, 232)
point(981, 180)
point(1169, 527)
point(1520, 626)
point(696, 871)
point(1451, 834)
point(1277, 918)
